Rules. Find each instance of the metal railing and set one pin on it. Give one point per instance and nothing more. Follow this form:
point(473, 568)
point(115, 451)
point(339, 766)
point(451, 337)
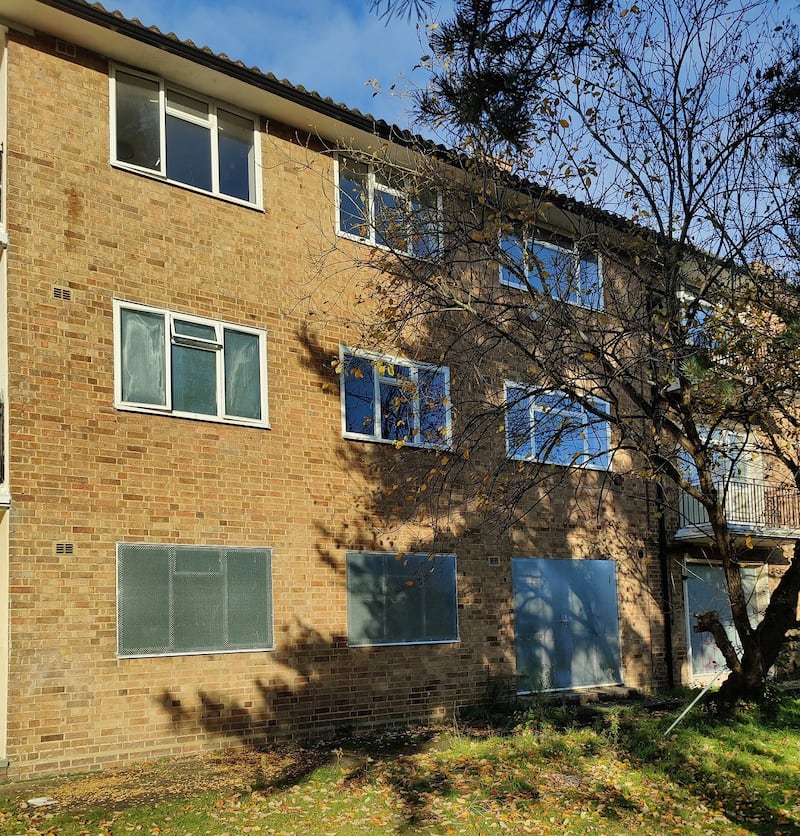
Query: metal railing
point(750, 502)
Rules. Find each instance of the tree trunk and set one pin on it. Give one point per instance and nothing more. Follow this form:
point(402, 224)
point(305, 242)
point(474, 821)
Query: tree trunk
point(749, 680)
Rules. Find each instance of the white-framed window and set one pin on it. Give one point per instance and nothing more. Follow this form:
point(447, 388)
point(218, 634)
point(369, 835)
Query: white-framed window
point(401, 598)
point(177, 364)
point(387, 207)
point(551, 264)
point(697, 317)
point(174, 600)
point(552, 428)
point(394, 400)
point(183, 137)
point(734, 455)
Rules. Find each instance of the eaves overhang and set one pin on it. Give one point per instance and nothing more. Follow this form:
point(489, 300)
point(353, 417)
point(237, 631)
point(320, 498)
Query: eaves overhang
point(109, 34)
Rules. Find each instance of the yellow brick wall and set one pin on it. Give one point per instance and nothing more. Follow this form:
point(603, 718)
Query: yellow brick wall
point(85, 473)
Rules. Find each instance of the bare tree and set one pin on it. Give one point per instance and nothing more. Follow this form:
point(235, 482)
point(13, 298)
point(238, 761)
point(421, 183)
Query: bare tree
point(632, 327)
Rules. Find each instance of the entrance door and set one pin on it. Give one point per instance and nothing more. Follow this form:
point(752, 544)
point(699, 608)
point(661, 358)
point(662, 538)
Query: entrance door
point(706, 591)
point(566, 623)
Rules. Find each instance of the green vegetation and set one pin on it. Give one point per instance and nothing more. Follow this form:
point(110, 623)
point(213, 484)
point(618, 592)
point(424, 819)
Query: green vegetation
point(565, 770)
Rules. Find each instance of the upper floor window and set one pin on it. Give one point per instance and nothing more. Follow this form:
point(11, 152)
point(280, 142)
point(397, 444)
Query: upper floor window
point(183, 137)
point(183, 365)
point(385, 206)
point(390, 399)
point(554, 265)
point(552, 428)
point(698, 318)
point(732, 455)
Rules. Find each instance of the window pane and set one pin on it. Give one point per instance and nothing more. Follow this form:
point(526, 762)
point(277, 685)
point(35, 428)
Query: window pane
point(597, 442)
point(391, 178)
point(397, 410)
point(425, 226)
point(559, 437)
point(143, 357)
point(137, 121)
point(188, 153)
point(194, 329)
point(365, 598)
point(353, 189)
point(405, 598)
point(359, 395)
point(590, 287)
point(518, 424)
point(198, 620)
point(512, 272)
point(433, 397)
point(236, 155)
point(438, 580)
point(187, 105)
point(552, 271)
point(194, 380)
point(143, 599)
point(191, 560)
point(390, 221)
point(249, 594)
point(242, 375)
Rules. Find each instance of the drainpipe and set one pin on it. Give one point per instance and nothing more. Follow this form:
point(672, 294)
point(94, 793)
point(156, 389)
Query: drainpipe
point(666, 603)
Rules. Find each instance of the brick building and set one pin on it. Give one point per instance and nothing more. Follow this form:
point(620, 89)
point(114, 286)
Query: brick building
point(191, 554)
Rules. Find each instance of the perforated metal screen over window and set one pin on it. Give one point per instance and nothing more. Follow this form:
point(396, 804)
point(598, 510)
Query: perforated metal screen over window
point(192, 599)
point(401, 598)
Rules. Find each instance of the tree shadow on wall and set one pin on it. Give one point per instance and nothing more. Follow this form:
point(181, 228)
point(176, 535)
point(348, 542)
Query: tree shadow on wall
point(468, 501)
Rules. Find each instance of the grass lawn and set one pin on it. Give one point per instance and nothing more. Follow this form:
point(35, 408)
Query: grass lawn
point(547, 771)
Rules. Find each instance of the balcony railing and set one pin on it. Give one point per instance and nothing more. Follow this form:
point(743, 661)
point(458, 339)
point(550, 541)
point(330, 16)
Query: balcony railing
point(751, 505)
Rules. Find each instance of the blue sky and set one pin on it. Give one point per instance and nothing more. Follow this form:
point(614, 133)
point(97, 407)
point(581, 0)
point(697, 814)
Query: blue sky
point(336, 47)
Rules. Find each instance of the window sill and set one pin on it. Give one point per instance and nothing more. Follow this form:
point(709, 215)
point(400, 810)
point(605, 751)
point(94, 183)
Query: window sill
point(371, 439)
point(575, 304)
point(373, 645)
point(257, 206)
point(596, 467)
point(168, 654)
point(212, 419)
point(383, 247)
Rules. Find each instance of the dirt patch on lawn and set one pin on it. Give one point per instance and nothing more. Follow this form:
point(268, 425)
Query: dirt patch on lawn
point(226, 773)
point(152, 782)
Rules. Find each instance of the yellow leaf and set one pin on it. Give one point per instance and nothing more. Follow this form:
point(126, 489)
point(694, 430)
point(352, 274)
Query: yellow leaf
point(564, 123)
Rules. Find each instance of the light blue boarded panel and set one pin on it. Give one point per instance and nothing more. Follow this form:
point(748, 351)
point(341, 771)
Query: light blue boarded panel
point(566, 623)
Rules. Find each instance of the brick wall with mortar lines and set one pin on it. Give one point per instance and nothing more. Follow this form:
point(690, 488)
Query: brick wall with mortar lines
point(85, 473)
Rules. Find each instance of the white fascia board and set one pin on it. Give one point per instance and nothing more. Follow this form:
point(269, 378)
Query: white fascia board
point(33, 15)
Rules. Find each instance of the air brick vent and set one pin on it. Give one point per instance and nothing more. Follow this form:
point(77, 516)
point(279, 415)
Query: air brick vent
point(66, 49)
point(64, 548)
point(62, 293)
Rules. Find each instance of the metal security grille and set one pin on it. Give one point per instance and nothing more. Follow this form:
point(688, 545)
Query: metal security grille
point(401, 598)
point(192, 599)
